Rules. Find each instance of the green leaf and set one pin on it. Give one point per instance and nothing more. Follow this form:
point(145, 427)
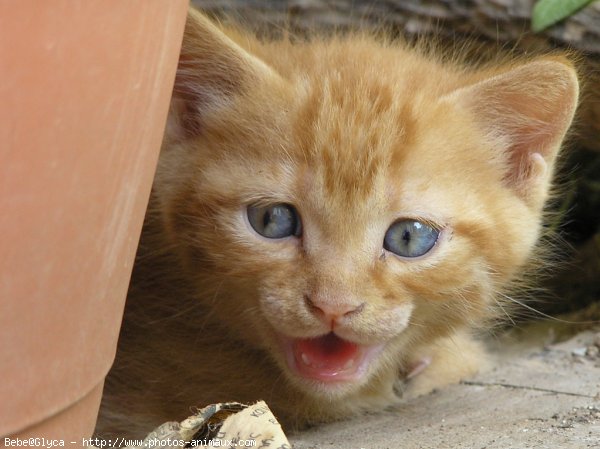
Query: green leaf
point(548, 12)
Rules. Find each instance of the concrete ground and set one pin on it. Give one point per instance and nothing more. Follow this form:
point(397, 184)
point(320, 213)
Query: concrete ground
point(537, 396)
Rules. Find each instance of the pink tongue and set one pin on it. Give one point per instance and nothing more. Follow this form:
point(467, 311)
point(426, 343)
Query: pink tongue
point(328, 352)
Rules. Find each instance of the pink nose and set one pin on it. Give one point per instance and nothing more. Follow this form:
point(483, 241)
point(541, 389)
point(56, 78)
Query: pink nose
point(331, 311)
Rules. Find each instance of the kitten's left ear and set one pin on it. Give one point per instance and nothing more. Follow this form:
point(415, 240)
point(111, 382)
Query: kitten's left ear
point(527, 111)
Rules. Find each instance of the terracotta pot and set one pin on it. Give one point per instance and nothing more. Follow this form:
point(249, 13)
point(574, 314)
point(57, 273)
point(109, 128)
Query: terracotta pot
point(84, 93)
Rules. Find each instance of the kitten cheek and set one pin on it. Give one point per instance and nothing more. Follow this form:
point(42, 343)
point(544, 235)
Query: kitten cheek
point(379, 326)
point(286, 319)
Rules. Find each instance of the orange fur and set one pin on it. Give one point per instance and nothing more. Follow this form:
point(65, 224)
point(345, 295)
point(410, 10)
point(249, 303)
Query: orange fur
point(355, 132)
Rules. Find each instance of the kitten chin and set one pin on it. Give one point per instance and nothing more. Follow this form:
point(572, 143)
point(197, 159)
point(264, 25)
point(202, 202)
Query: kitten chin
point(331, 220)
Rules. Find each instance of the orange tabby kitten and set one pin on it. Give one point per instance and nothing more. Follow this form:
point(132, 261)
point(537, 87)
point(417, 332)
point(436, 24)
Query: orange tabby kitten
point(329, 220)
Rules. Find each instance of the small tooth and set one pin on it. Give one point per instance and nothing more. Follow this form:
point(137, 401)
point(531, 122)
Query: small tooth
point(349, 364)
point(305, 359)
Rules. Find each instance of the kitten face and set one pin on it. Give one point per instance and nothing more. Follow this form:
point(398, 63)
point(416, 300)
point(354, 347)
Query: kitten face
point(340, 205)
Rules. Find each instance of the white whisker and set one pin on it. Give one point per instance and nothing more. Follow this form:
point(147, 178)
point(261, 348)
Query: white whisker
point(545, 315)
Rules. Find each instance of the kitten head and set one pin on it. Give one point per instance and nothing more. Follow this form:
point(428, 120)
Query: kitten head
point(338, 202)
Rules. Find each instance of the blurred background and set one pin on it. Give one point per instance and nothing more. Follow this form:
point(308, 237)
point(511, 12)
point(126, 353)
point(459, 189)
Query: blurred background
point(489, 25)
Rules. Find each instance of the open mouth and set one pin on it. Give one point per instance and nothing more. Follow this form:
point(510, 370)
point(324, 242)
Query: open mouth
point(329, 358)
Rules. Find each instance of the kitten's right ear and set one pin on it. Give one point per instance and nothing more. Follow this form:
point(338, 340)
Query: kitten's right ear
point(213, 71)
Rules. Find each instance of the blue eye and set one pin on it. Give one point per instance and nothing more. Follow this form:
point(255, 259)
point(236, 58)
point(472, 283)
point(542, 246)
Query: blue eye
point(276, 221)
point(410, 238)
